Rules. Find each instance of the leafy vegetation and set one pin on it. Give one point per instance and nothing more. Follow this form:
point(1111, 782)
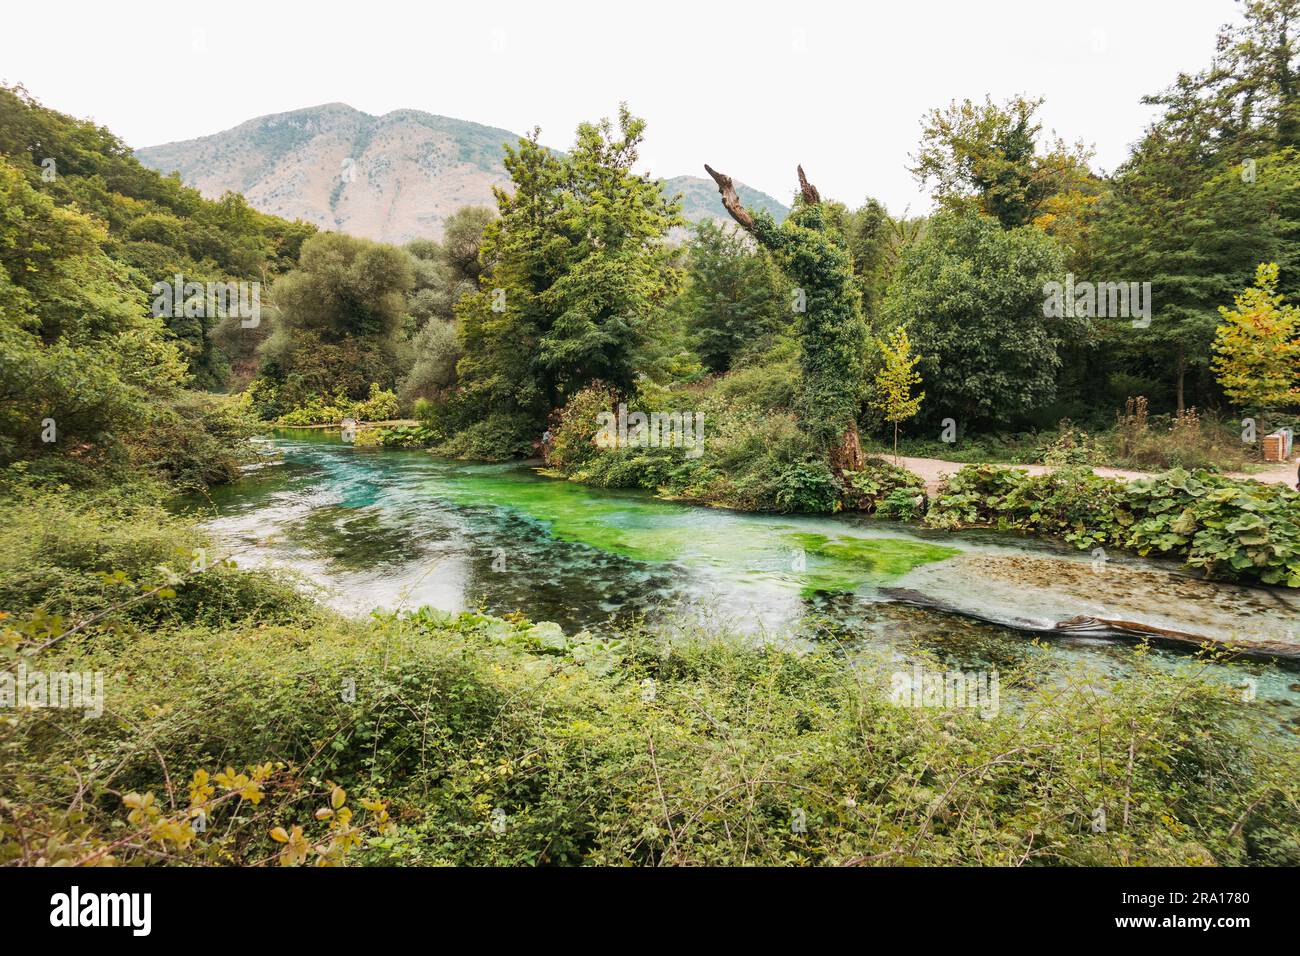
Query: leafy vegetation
point(1234, 530)
point(257, 725)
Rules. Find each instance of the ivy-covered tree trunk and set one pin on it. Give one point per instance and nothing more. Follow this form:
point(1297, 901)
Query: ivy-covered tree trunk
point(832, 331)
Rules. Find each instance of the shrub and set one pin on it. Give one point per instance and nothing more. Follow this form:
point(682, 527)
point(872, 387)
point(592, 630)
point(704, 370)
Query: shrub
point(1232, 529)
point(499, 437)
point(808, 485)
point(573, 428)
point(405, 436)
point(76, 554)
point(198, 440)
point(1178, 441)
point(881, 481)
point(1071, 448)
point(460, 721)
point(380, 405)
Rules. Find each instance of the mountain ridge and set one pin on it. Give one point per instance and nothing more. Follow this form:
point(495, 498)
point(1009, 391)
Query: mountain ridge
point(391, 177)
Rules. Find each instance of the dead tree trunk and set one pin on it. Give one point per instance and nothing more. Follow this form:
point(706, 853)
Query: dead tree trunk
point(824, 272)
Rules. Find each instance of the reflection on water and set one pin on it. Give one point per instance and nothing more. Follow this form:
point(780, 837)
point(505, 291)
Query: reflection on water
point(385, 528)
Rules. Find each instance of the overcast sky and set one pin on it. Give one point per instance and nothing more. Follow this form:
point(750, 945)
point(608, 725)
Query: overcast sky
point(750, 87)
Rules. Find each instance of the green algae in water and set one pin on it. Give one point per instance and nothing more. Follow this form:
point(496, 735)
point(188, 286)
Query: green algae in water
point(843, 564)
point(624, 524)
point(648, 529)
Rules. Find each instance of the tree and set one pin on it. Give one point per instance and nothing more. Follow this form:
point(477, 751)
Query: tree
point(877, 241)
point(1257, 348)
point(1212, 188)
point(1247, 102)
point(732, 298)
point(436, 350)
point(1197, 238)
point(895, 379)
point(579, 275)
point(986, 156)
point(84, 367)
point(971, 295)
point(811, 249)
point(338, 319)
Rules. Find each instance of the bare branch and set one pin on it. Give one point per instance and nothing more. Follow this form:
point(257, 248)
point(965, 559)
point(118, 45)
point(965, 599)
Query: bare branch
point(810, 194)
point(730, 200)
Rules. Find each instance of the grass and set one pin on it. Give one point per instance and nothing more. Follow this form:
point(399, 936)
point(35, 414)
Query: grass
point(297, 735)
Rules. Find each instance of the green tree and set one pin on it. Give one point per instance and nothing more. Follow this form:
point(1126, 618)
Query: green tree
point(154, 226)
point(84, 368)
point(877, 241)
point(971, 296)
point(338, 319)
point(579, 275)
point(445, 271)
point(733, 299)
point(1197, 239)
point(987, 156)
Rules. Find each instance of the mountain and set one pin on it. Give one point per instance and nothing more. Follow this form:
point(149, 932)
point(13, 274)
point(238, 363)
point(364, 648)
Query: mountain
point(393, 177)
point(700, 199)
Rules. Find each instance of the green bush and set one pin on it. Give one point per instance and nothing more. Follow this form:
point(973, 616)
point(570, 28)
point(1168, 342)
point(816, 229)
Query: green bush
point(497, 438)
point(887, 489)
point(808, 485)
point(1232, 529)
point(77, 554)
point(502, 742)
point(574, 427)
point(380, 405)
point(406, 436)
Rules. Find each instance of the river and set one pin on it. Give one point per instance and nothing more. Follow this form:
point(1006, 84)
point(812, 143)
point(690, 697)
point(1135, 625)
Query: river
point(382, 528)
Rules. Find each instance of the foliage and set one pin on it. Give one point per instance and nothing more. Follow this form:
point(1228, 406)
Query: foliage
point(573, 428)
point(506, 742)
point(1233, 530)
point(76, 554)
point(405, 436)
point(814, 254)
point(985, 157)
point(887, 489)
point(808, 486)
point(1189, 440)
point(435, 352)
point(770, 381)
point(895, 378)
point(338, 320)
point(496, 438)
point(1071, 448)
point(1257, 348)
point(378, 406)
point(733, 297)
point(149, 226)
point(579, 278)
point(971, 297)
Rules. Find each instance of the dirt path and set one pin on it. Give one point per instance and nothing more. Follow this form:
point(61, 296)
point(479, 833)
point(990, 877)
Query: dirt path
point(934, 470)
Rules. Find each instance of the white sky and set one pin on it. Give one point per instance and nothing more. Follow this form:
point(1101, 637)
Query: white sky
point(750, 87)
